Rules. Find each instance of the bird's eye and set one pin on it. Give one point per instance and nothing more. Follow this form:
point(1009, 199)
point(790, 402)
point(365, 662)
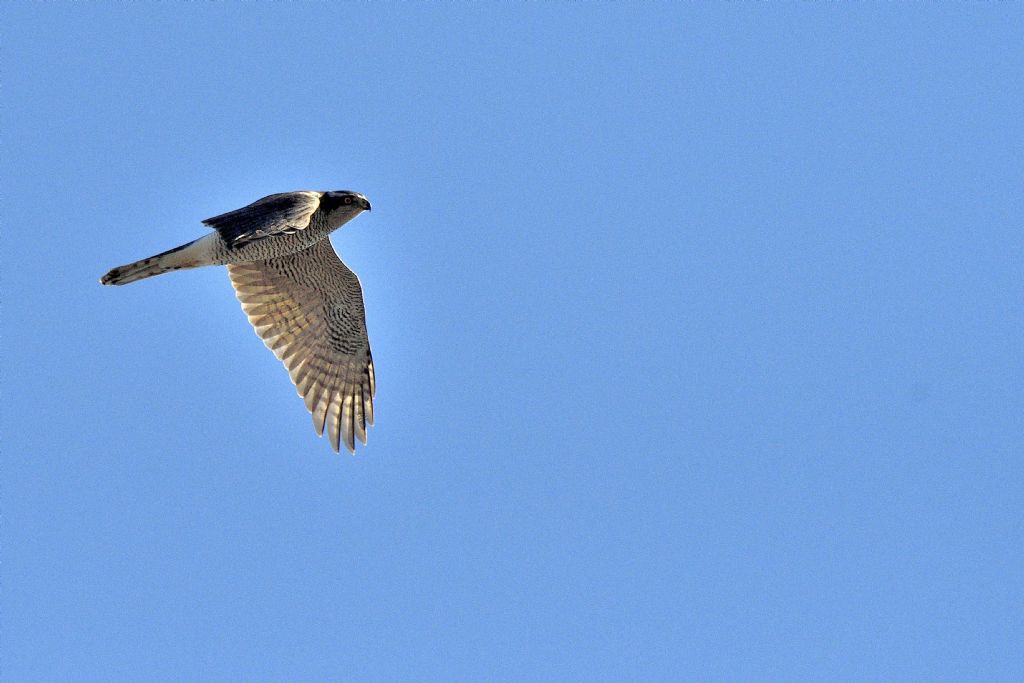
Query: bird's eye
point(348, 200)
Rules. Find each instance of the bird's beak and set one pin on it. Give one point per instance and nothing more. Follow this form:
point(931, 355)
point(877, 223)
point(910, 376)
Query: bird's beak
point(366, 204)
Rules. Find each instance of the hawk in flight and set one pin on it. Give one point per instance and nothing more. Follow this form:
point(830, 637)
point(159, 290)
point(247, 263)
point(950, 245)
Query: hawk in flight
point(305, 304)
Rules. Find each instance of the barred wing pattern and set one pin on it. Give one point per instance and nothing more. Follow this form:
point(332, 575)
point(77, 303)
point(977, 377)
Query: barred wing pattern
point(277, 214)
point(308, 309)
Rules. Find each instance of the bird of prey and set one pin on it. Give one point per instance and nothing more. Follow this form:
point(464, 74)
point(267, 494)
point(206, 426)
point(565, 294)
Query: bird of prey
point(305, 304)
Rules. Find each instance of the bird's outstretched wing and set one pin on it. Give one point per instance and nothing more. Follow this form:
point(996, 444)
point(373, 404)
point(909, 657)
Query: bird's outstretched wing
point(277, 214)
point(308, 309)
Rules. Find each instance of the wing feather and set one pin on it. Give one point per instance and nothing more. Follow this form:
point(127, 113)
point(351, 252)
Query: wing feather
point(308, 309)
point(276, 214)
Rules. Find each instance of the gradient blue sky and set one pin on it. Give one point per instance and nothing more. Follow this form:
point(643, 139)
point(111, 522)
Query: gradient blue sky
point(698, 336)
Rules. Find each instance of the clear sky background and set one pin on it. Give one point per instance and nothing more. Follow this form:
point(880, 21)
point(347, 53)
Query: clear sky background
point(698, 336)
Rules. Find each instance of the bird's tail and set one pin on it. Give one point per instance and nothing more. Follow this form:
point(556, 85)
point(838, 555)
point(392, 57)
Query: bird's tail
point(186, 256)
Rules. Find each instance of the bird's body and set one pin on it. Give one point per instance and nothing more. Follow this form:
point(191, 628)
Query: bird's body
point(305, 304)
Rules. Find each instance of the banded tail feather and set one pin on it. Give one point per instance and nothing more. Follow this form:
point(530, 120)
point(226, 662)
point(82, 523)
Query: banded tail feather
point(189, 255)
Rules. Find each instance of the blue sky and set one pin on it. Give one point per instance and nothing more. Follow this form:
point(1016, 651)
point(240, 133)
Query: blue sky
point(697, 334)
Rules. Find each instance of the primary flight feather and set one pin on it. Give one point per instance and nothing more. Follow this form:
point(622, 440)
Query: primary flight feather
point(304, 303)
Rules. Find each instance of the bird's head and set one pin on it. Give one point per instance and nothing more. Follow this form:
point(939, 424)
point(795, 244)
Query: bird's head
point(341, 206)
